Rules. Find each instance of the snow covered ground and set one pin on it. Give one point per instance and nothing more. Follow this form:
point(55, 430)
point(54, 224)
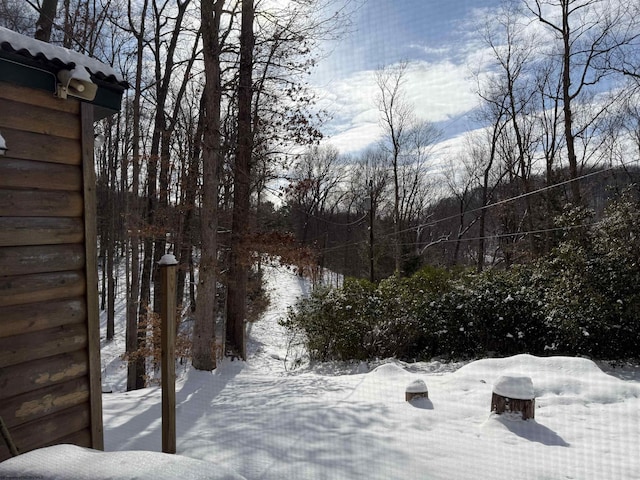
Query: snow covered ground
point(264, 420)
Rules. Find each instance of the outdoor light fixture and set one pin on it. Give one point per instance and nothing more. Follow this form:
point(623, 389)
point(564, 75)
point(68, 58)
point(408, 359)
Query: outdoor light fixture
point(76, 83)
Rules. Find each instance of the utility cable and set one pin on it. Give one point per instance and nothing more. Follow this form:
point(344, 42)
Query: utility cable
point(491, 205)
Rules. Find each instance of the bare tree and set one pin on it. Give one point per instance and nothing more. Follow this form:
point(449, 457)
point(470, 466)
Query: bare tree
point(46, 18)
point(395, 118)
point(240, 263)
point(549, 120)
point(17, 15)
point(313, 182)
point(408, 142)
point(136, 366)
point(168, 89)
point(512, 49)
point(371, 179)
point(204, 344)
point(273, 111)
point(415, 182)
point(484, 155)
point(461, 181)
point(590, 34)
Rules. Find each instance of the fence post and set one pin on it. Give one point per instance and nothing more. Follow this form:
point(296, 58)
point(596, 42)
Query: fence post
point(168, 265)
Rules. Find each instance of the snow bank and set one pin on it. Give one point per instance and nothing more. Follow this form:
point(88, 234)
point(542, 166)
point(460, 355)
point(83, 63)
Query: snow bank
point(70, 462)
point(553, 377)
point(389, 370)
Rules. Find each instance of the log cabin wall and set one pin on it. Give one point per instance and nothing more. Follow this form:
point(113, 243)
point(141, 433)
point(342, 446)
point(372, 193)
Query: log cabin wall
point(50, 389)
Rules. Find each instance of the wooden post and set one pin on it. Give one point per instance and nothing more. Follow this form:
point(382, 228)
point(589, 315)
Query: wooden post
point(168, 265)
point(91, 272)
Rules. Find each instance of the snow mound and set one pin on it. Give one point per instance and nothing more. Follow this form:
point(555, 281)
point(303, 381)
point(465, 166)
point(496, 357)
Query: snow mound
point(516, 387)
point(524, 364)
point(386, 383)
point(70, 462)
point(389, 370)
point(417, 386)
point(565, 377)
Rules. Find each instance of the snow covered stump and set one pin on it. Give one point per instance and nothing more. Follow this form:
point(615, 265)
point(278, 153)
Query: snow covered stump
point(416, 389)
point(514, 394)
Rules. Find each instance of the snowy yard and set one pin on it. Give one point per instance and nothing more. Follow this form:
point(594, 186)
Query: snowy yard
point(352, 421)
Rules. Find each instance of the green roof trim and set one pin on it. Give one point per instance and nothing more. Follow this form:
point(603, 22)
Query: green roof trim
point(30, 73)
point(26, 76)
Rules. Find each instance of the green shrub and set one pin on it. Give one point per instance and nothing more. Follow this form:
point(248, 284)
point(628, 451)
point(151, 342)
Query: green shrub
point(581, 300)
point(337, 323)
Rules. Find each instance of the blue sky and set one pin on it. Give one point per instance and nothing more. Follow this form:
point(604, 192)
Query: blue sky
point(388, 31)
point(432, 35)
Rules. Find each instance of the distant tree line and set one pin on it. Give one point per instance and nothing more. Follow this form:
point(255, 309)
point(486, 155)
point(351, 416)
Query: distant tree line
point(580, 299)
point(559, 92)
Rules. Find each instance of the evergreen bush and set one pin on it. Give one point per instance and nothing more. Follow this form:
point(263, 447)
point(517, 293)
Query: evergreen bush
point(583, 299)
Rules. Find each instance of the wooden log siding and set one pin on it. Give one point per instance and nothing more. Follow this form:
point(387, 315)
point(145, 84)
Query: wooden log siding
point(29, 146)
point(51, 429)
point(15, 173)
point(40, 230)
point(29, 376)
point(49, 326)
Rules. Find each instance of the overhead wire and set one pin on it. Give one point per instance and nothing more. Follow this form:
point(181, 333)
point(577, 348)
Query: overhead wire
point(488, 206)
point(510, 199)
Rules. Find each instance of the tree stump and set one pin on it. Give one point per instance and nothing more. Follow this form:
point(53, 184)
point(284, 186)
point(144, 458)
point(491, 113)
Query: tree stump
point(514, 394)
point(416, 389)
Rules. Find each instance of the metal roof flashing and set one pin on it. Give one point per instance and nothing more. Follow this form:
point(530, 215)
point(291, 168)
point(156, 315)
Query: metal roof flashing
point(35, 64)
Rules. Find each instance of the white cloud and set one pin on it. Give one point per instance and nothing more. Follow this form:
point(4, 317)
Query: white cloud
point(428, 50)
point(438, 91)
point(356, 138)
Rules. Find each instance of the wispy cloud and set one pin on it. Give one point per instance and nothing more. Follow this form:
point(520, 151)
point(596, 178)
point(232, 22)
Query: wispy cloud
point(439, 92)
point(439, 82)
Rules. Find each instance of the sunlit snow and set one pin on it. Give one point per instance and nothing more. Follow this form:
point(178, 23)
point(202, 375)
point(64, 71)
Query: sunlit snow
point(511, 386)
point(265, 420)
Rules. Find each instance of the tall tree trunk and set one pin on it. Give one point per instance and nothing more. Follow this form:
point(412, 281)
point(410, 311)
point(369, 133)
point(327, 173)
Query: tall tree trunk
point(485, 198)
point(566, 100)
point(204, 340)
point(46, 17)
point(189, 204)
point(147, 245)
point(372, 217)
point(240, 256)
point(564, 29)
point(136, 366)
point(69, 24)
point(111, 243)
point(397, 249)
point(161, 141)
